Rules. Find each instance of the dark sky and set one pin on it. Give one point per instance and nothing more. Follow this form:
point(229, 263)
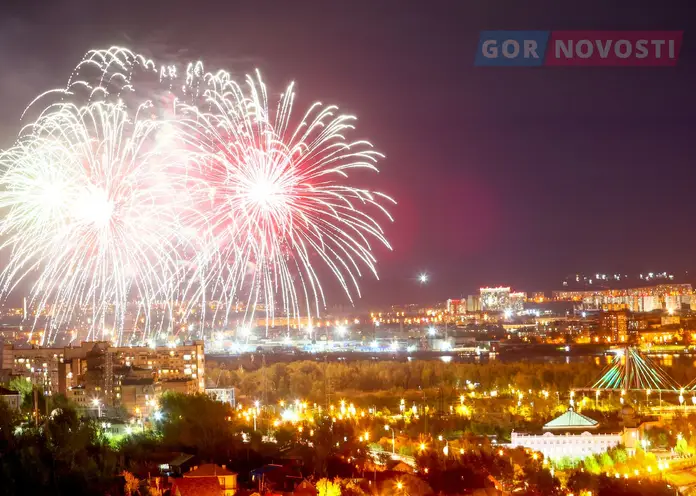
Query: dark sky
point(514, 176)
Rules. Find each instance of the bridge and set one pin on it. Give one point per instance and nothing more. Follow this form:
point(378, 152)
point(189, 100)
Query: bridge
point(631, 370)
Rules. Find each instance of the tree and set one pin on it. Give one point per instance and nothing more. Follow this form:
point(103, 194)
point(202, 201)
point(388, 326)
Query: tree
point(592, 465)
point(199, 423)
point(131, 484)
point(606, 462)
point(682, 447)
point(620, 455)
point(325, 487)
point(350, 488)
point(21, 385)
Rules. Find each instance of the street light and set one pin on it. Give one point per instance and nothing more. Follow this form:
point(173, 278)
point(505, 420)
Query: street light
point(387, 428)
point(97, 404)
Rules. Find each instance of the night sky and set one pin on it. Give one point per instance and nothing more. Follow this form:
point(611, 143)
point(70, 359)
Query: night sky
point(514, 176)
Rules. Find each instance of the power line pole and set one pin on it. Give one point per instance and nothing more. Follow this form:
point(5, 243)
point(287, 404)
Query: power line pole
point(36, 407)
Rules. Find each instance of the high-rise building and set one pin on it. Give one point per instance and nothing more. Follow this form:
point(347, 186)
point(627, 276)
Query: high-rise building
point(456, 307)
point(615, 323)
point(473, 303)
point(97, 372)
point(538, 297)
point(641, 299)
point(517, 301)
point(495, 299)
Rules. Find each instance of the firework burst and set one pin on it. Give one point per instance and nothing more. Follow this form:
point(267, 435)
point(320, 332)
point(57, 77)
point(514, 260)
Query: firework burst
point(91, 205)
point(123, 200)
point(278, 199)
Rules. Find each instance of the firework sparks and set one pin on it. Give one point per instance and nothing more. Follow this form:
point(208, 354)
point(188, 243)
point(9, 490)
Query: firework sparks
point(280, 199)
point(112, 202)
point(89, 201)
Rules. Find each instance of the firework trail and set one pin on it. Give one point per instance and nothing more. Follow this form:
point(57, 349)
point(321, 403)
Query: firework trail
point(138, 190)
point(278, 200)
point(91, 203)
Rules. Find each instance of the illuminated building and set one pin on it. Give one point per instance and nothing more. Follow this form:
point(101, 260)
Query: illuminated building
point(12, 399)
point(670, 320)
point(495, 299)
point(642, 299)
point(615, 324)
point(39, 365)
point(517, 301)
point(186, 361)
point(138, 396)
point(538, 297)
point(473, 303)
point(571, 435)
point(658, 336)
point(224, 395)
point(456, 307)
point(100, 371)
point(225, 479)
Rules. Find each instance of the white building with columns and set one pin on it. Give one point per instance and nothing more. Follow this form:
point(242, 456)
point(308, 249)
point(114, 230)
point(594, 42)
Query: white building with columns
point(571, 435)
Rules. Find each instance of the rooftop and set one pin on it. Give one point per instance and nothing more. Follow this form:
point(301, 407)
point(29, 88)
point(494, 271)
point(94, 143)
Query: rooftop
point(196, 487)
point(7, 392)
point(571, 420)
point(209, 470)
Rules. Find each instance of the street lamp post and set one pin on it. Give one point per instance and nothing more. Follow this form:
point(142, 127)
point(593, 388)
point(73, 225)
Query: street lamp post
point(387, 428)
point(97, 404)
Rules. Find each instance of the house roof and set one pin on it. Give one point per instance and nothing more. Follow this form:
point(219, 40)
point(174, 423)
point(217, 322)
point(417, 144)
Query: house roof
point(196, 487)
point(266, 469)
point(209, 470)
point(571, 420)
point(305, 488)
point(180, 459)
point(8, 392)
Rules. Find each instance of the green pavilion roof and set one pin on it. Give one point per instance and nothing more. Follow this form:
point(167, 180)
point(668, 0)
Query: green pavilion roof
point(571, 420)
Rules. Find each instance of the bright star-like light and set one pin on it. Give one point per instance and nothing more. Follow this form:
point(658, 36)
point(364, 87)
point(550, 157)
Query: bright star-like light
point(423, 278)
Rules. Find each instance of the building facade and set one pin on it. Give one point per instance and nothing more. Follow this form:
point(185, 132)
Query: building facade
point(615, 323)
point(495, 299)
point(13, 399)
point(571, 435)
point(98, 375)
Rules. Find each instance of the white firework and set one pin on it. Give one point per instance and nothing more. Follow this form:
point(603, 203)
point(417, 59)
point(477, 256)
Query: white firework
point(279, 201)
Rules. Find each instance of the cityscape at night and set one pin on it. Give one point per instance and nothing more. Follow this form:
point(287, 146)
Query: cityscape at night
point(362, 249)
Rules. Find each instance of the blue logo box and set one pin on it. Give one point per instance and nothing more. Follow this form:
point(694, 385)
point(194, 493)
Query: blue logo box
point(512, 48)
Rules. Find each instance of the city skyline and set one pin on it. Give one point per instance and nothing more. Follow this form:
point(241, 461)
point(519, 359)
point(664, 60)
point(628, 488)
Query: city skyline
point(347, 248)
